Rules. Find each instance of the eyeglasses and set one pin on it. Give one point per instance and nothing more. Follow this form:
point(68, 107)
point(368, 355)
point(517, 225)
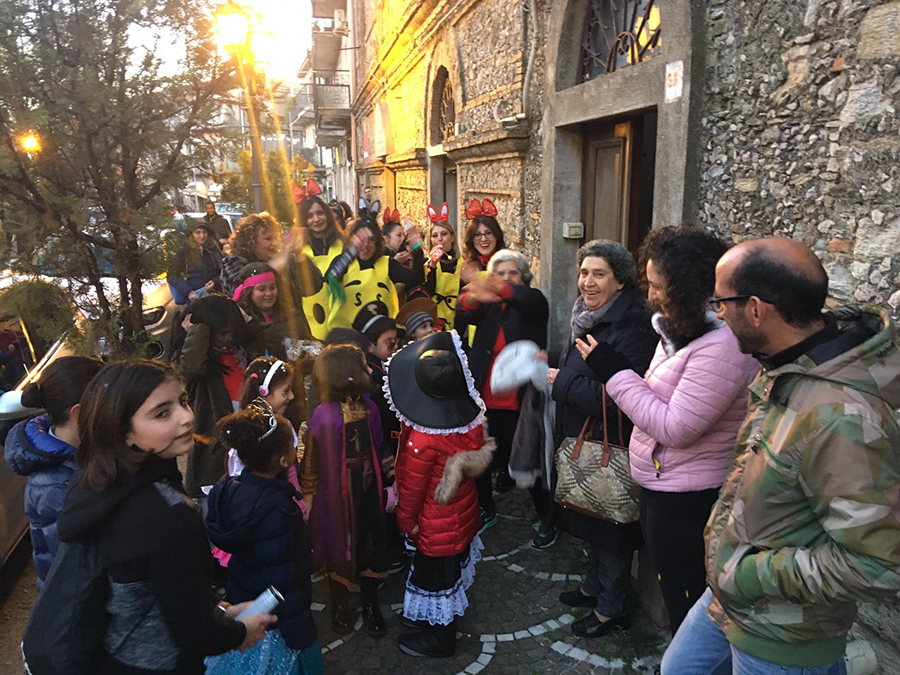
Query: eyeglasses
point(718, 304)
point(484, 235)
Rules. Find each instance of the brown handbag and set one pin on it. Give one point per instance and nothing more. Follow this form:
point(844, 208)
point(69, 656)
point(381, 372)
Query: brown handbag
point(595, 478)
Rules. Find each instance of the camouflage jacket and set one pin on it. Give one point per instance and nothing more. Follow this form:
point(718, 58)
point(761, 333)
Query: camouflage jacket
point(808, 522)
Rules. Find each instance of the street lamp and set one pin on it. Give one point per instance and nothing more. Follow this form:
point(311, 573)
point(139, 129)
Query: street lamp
point(30, 143)
point(234, 33)
point(232, 26)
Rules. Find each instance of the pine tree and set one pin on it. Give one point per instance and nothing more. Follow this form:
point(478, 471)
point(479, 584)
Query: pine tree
point(115, 93)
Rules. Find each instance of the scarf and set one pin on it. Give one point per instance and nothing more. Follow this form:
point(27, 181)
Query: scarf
point(583, 319)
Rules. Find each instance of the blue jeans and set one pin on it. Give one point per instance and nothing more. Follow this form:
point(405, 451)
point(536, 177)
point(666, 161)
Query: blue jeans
point(701, 648)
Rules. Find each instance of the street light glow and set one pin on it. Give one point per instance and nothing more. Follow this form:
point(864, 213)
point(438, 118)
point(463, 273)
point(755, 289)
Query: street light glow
point(232, 26)
point(30, 143)
point(265, 32)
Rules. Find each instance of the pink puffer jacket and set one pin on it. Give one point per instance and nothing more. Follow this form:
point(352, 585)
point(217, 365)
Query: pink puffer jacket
point(686, 412)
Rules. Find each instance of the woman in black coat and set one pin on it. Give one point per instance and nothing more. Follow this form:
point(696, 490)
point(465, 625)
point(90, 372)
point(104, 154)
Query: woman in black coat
point(504, 308)
point(608, 308)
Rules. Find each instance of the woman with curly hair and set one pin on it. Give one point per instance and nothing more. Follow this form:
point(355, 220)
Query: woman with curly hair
point(258, 239)
point(686, 409)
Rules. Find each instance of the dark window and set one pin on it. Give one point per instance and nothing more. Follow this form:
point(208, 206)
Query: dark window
point(448, 112)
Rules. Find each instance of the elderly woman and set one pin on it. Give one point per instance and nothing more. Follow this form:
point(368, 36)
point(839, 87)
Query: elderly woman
point(258, 239)
point(686, 410)
point(609, 309)
point(505, 308)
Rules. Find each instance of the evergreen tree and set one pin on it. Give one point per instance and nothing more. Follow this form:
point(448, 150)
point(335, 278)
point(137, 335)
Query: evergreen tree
point(113, 92)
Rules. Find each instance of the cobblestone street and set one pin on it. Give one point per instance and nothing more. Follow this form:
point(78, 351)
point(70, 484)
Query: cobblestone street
point(515, 623)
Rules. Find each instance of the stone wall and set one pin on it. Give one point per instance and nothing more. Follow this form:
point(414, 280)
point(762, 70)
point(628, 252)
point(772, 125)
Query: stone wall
point(485, 47)
point(800, 138)
point(800, 134)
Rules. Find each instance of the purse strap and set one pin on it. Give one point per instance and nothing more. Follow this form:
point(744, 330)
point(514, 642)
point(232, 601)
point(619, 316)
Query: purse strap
point(589, 425)
point(604, 462)
point(576, 451)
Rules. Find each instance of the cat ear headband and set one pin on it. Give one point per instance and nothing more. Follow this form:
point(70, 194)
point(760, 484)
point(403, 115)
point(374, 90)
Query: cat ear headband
point(442, 217)
point(312, 189)
point(483, 208)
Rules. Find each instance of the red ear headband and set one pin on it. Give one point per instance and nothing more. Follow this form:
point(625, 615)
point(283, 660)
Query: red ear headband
point(483, 208)
point(391, 216)
point(312, 189)
point(442, 217)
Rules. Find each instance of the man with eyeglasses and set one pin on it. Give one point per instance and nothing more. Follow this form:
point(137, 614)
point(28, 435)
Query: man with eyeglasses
point(808, 522)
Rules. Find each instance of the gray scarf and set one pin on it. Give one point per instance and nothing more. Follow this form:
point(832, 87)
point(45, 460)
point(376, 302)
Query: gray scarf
point(583, 319)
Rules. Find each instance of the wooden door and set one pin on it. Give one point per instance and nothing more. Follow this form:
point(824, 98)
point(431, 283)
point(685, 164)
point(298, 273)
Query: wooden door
point(607, 182)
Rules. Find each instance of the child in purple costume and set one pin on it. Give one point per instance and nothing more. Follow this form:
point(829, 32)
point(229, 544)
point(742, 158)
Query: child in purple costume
point(341, 479)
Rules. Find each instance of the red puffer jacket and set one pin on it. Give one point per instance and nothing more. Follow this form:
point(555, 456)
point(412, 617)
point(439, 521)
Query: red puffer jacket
point(435, 489)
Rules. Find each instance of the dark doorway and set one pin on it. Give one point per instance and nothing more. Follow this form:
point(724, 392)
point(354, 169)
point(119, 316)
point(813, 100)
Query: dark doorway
point(444, 185)
point(619, 164)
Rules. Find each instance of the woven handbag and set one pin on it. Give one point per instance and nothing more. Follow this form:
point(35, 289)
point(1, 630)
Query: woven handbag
point(595, 478)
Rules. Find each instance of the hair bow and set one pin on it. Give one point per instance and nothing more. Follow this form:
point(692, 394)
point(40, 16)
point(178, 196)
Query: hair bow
point(442, 217)
point(312, 189)
point(391, 216)
point(483, 208)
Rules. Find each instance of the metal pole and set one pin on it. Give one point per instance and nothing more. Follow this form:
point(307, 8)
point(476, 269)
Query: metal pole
point(255, 154)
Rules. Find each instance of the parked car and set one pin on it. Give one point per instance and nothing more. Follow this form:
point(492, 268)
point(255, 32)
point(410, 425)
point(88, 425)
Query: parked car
point(160, 315)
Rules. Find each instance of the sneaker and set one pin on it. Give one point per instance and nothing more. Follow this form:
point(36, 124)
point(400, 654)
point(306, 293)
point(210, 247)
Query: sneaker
point(487, 520)
point(399, 561)
point(545, 537)
point(504, 482)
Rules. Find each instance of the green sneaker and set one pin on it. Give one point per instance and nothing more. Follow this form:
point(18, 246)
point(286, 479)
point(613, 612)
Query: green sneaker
point(545, 537)
point(487, 520)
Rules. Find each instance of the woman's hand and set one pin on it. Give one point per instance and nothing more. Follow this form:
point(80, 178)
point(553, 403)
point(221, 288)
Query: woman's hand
point(359, 238)
point(415, 530)
point(256, 628)
point(485, 291)
point(210, 286)
point(541, 356)
point(585, 348)
point(187, 323)
point(403, 257)
point(551, 375)
point(308, 501)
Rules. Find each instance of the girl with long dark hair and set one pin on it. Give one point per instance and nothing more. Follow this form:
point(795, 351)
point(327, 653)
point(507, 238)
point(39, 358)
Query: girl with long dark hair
point(163, 619)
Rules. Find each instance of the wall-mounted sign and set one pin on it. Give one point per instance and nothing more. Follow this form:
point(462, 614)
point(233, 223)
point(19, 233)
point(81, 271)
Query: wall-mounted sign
point(674, 81)
point(384, 137)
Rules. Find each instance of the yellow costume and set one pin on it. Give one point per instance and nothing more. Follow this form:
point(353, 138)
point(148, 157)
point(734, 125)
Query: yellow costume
point(317, 307)
point(362, 286)
point(446, 292)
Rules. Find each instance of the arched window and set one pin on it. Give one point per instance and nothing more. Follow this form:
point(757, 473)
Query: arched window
point(619, 33)
point(443, 116)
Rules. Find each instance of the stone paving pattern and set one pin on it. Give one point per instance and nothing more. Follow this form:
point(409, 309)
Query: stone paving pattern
point(515, 624)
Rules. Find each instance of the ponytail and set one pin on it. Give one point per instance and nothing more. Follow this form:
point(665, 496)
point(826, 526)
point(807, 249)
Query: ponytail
point(61, 386)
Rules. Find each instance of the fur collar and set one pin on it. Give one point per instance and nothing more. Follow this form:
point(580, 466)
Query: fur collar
point(460, 466)
point(669, 343)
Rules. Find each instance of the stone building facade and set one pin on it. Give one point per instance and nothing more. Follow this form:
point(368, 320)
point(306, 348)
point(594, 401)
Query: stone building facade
point(748, 117)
